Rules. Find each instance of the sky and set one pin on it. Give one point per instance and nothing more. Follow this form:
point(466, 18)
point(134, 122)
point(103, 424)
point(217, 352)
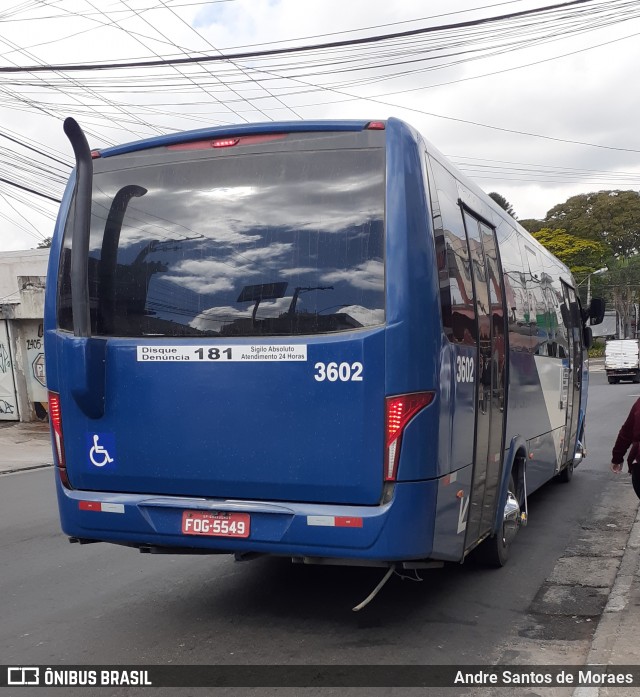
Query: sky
point(538, 107)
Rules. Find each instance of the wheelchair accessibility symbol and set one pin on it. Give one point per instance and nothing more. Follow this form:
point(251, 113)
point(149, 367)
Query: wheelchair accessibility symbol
point(102, 450)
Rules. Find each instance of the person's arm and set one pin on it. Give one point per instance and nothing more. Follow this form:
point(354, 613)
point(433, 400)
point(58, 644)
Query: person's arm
point(625, 437)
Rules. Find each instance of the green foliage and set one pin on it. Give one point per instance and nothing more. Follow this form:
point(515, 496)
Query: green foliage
point(596, 351)
point(503, 203)
point(611, 217)
point(580, 255)
point(532, 225)
point(621, 288)
point(591, 231)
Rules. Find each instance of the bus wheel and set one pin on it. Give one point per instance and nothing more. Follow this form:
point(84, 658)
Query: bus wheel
point(494, 551)
point(613, 381)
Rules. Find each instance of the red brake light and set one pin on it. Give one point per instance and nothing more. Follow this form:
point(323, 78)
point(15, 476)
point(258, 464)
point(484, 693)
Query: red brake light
point(399, 411)
point(54, 412)
point(227, 142)
point(375, 126)
point(55, 415)
point(95, 154)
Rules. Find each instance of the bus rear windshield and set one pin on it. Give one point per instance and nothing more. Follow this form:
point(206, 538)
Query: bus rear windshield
point(264, 239)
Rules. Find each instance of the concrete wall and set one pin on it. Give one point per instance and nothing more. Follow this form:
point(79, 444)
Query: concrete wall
point(22, 286)
point(31, 262)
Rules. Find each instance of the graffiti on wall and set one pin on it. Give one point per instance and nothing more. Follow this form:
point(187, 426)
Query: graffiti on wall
point(5, 360)
point(5, 407)
point(34, 367)
point(8, 399)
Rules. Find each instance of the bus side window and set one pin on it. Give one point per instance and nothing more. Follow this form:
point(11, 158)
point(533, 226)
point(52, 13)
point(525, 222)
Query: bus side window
point(516, 296)
point(562, 333)
point(454, 265)
point(537, 302)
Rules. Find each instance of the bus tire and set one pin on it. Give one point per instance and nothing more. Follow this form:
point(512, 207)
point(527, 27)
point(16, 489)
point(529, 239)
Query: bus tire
point(494, 551)
point(613, 381)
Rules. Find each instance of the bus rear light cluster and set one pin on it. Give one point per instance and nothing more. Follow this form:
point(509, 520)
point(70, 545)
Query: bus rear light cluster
point(399, 410)
point(56, 423)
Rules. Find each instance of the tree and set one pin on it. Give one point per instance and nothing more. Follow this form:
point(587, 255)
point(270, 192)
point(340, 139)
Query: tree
point(503, 203)
point(46, 243)
point(532, 225)
point(622, 285)
point(580, 255)
point(611, 217)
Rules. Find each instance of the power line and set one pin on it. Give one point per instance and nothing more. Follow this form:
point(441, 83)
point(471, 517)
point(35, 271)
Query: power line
point(28, 147)
point(185, 75)
point(4, 18)
point(242, 70)
point(31, 191)
point(397, 53)
point(282, 51)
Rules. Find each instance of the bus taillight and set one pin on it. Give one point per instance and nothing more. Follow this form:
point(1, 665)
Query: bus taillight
point(56, 423)
point(399, 411)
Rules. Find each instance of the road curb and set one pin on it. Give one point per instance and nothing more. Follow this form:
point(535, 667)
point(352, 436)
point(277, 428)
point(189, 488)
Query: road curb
point(26, 468)
point(611, 632)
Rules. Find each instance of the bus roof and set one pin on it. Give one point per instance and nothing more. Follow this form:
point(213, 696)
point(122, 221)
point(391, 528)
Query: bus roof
point(235, 129)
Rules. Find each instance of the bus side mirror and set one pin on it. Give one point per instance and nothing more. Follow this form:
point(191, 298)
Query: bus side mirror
point(587, 335)
point(596, 310)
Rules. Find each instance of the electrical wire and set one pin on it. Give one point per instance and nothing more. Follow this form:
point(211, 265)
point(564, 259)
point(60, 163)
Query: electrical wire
point(242, 70)
point(113, 100)
point(30, 190)
point(73, 67)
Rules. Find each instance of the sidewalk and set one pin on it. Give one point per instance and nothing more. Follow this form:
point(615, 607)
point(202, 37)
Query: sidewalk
point(616, 640)
point(24, 446)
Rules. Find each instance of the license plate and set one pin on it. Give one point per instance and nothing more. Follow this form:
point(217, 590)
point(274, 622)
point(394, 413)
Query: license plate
point(215, 524)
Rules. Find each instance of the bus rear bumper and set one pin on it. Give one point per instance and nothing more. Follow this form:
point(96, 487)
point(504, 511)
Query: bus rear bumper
point(398, 530)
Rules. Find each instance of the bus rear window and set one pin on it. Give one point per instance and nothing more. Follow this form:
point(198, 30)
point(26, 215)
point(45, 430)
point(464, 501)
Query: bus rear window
point(263, 240)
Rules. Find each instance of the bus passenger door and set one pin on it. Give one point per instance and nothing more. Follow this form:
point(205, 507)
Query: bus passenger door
point(490, 377)
point(572, 372)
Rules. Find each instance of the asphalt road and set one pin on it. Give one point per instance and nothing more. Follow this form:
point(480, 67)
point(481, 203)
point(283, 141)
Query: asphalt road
point(66, 604)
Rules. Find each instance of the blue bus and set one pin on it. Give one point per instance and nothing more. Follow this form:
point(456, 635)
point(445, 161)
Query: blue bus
point(310, 339)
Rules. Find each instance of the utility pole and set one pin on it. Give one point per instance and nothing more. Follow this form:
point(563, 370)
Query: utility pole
point(593, 273)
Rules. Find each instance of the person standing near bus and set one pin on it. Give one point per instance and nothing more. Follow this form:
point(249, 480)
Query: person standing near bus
point(629, 435)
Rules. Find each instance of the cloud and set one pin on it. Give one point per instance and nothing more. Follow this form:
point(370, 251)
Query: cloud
point(367, 276)
point(215, 318)
point(587, 96)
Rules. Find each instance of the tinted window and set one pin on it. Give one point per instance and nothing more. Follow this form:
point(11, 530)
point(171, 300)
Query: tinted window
point(515, 288)
point(260, 240)
point(454, 264)
point(560, 341)
point(538, 282)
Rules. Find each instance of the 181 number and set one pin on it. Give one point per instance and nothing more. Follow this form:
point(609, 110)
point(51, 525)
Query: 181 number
point(344, 372)
point(214, 353)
